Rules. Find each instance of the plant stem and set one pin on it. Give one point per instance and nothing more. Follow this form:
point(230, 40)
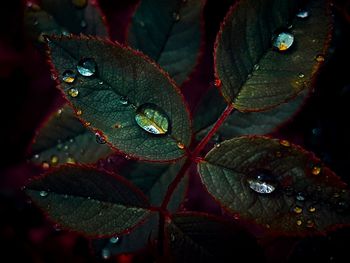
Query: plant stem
point(195, 154)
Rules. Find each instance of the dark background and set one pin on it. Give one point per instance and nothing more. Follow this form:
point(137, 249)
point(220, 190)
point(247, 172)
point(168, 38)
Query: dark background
point(28, 96)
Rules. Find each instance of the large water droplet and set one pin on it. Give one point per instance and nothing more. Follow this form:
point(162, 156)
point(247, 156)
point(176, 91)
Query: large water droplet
point(100, 138)
point(152, 119)
point(263, 182)
point(303, 14)
point(283, 41)
point(87, 67)
point(73, 92)
point(43, 193)
point(114, 240)
point(79, 3)
point(69, 76)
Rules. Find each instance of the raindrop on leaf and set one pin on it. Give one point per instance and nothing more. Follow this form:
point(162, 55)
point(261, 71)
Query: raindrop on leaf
point(263, 182)
point(54, 160)
point(87, 67)
point(283, 41)
point(114, 240)
point(43, 193)
point(303, 14)
point(73, 92)
point(100, 138)
point(106, 253)
point(152, 119)
point(69, 76)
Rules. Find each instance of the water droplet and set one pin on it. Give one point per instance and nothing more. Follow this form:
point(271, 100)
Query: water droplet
point(301, 75)
point(35, 23)
point(66, 147)
point(310, 224)
point(87, 123)
point(172, 237)
point(124, 100)
point(312, 209)
point(87, 67)
point(70, 160)
point(71, 140)
point(73, 92)
point(45, 165)
point(36, 156)
point(316, 169)
point(114, 240)
point(79, 3)
point(319, 58)
point(217, 145)
point(100, 138)
point(79, 112)
point(283, 41)
point(300, 196)
point(256, 66)
point(152, 119)
point(263, 182)
point(297, 210)
point(299, 222)
point(117, 125)
point(285, 143)
point(217, 83)
point(66, 33)
point(43, 193)
point(303, 14)
point(180, 145)
point(100, 82)
point(54, 160)
point(83, 23)
point(105, 253)
point(176, 16)
point(69, 76)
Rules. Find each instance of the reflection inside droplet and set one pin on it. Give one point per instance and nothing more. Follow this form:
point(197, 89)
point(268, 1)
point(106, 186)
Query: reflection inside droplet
point(152, 119)
point(263, 182)
point(68, 76)
point(283, 41)
point(87, 67)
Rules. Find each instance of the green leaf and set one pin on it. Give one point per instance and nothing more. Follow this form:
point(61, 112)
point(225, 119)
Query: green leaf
point(89, 201)
point(57, 17)
point(64, 139)
point(243, 123)
point(195, 237)
point(116, 86)
point(254, 76)
point(276, 184)
point(170, 33)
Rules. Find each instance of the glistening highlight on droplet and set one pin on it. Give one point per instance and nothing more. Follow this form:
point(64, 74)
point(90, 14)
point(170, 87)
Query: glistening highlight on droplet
point(283, 41)
point(263, 182)
point(87, 67)
point(152, 119)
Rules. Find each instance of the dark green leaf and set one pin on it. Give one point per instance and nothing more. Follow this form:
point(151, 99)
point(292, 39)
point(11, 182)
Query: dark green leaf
point(194, 237)
point(170, 33)
point(255, 76)
point(89, 201)
point(64, 139)
point(64, 17)
point(276, 184)
point(120, 85)
point(242, 123)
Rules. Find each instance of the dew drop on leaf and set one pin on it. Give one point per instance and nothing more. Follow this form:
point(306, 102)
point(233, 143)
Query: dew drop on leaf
point(263, 182)
point(106, 253)
point(285, 143)
point(43, 193)
point(301, 75)
point(70, 160)
point(124, 100)
point(312, 209)
point(283, 41)
point(54, 160)
point(310, 224)
point(299, 222)
point(176, 16)
point(300, 197)
point(45, 165)
point(99, 138)
point(79, 3)
point(319, 58)
point(303, 14)
point(316, 169)
point(152, 119)
point(68, 76)
point(180, 145)
point(87, 67)
point(83, 23)
point(297, 210)
point(73, 92)
point(114, 240)
point(79, 112)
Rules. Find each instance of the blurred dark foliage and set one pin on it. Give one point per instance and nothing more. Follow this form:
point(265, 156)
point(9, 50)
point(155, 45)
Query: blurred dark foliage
point(28, 96)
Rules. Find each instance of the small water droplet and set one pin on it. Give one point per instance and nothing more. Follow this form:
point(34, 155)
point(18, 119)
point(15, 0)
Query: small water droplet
point(106, 253)
point(87, 123)
point(285, 143)
point(35, 23)
point(73, 92)
point(300, 196)
point(87, 67)
point(124, 101)
point(152, 119)
point(71, 140)
point(319, 58)
point(172, 237)
point(303, 14)
point(283, 41)
point(100, 138)
point(299, 222)
point(176, 16)
point(36, 156)
point(69, 76)
point(310, 224)
point(79, 112)
point(217, 145)
point(217, 83)
point(312, 209)
point(263, 182)
point(59, 146)
point(70, 160)
point(114, 240)
point(117, 125)
point(66, 147)
point(256, 66)
point(66, 33)
point(53, 76)
point(316, 169)
point(301, 75)
point(100, 82)
point(79, 3)
point(54, 160)
point(45, 165)
point(297, 210)
point(43, 193)
point(83, 23)
point(180, 145)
